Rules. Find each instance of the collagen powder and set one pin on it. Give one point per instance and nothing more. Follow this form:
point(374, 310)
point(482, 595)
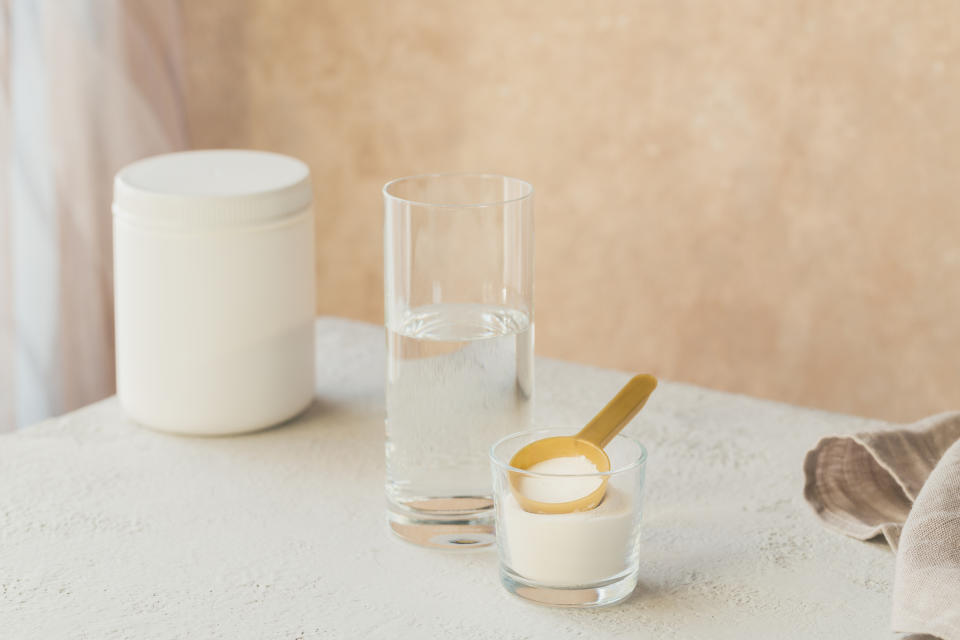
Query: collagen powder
point(560, 489)
point(570, 549)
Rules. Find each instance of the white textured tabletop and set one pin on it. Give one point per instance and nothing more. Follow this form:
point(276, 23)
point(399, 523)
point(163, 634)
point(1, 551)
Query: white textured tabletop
point(108, 530)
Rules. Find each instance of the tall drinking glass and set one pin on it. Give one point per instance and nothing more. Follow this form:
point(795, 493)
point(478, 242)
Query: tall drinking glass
point(458, 285)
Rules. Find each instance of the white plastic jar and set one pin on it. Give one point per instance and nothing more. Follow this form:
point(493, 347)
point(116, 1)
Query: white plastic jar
point(214, 290)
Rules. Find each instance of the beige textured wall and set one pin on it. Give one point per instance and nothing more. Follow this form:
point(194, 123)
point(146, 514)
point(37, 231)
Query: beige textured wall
point(753, 196)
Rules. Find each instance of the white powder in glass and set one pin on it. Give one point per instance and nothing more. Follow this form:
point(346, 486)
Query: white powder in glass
point(560, 489)
point(572, 549)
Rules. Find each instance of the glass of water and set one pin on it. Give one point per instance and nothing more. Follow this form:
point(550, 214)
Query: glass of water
point(458, 285)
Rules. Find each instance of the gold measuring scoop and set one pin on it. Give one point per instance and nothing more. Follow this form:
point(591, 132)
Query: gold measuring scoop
point(588, 443)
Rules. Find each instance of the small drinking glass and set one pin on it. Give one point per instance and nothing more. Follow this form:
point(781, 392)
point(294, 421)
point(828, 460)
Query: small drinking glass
point(458, 284)
point(582, 559)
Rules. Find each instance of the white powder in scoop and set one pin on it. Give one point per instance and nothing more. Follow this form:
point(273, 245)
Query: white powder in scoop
point(560, 489)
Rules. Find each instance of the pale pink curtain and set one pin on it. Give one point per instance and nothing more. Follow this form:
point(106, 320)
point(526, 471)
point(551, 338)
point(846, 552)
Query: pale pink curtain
point(86, 86)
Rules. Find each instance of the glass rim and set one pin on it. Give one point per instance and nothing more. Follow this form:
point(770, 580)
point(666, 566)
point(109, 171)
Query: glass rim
point(454, 174)
point(636, 462)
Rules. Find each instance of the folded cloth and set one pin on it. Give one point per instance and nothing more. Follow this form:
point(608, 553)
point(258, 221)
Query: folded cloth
point(903, 484)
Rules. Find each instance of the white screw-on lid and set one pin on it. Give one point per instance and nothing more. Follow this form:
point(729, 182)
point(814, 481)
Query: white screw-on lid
point(213, 188)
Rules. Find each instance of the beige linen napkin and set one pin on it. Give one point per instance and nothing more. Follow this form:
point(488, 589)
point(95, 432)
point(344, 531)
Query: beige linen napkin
point(903, 484)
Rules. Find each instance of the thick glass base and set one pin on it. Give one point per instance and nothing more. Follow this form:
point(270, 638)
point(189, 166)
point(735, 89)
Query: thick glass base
point(582, 597)
point(444, 523)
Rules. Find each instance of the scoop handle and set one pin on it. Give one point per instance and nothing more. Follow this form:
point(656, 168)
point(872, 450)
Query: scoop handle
point(619, 411)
